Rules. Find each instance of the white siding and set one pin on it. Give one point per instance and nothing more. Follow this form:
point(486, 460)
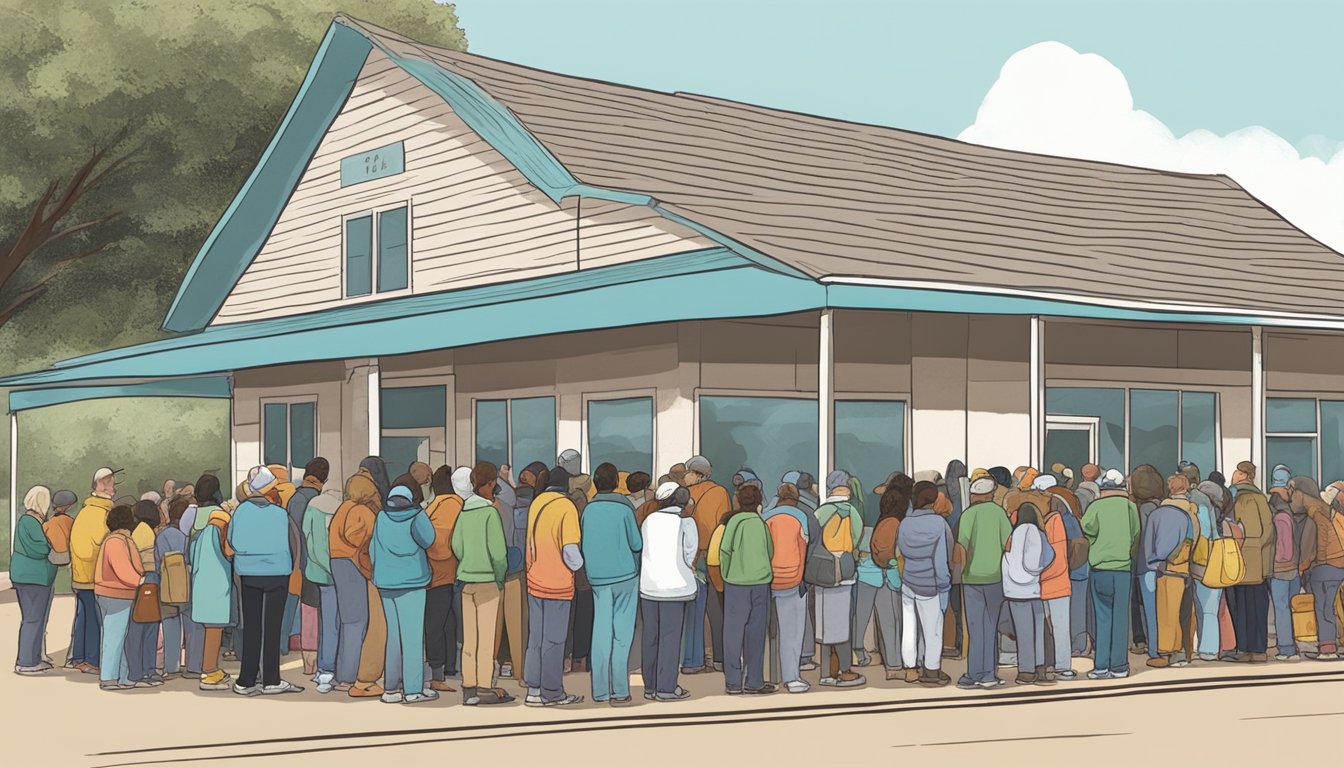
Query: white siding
point(474, 218)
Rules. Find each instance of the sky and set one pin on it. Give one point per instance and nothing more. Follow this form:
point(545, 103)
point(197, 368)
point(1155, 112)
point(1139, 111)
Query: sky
point(1251, 89)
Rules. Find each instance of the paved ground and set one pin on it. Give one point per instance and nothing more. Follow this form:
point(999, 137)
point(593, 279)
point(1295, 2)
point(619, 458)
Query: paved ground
point(1242, 713)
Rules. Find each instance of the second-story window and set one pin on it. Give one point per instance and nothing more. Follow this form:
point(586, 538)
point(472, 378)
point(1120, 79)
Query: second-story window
point(376, 254)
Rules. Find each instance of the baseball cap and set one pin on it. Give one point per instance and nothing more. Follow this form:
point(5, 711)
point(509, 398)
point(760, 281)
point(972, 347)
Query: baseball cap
point(260, 479)
point(1111, 479)
point(983, 485)
point(837, 479)
point(699, 464)
point(665, 491)
point(63, 498)
point(105, 472)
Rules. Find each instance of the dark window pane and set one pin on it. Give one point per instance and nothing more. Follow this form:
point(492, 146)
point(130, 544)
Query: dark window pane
point(392, 263)
point(1070, 447)
point(1284, 414)
point(302, 433)
point(869, 444)
point(769, 435)
point(1296, 453)
point(1332, 441)
point(401, 452)
point(621, 432)
point(275, 433)
point(533, 431)
point(492, 431)
point(1152, 423)
point(1199, 430)
point(358, 256)
point(1107, 405)
point(411, 407)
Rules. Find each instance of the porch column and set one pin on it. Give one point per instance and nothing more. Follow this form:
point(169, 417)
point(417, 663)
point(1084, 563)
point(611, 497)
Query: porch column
point(1257, 405)
point(1037, 384)
point(825, 397)
point(13, 476)
point(361, 423)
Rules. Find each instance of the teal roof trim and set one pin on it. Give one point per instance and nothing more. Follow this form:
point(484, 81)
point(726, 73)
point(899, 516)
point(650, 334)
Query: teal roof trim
point(610, 297)
point(248, 221)
point(208, 386)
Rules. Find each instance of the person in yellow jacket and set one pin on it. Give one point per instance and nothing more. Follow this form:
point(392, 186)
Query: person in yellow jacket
point(86, 536)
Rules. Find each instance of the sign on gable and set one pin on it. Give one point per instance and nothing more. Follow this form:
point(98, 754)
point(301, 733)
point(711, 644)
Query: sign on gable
point(373, 164)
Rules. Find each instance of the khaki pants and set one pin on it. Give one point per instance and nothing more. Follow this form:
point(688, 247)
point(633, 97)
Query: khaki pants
point(375, 643)
point(1170, 589)
point(480, 611)
point(513, 615)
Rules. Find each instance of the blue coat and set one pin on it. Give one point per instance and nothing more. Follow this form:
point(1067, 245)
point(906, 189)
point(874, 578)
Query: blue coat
point(259, 534)
point(211, 580)
point(401, 534)
point(610, 539)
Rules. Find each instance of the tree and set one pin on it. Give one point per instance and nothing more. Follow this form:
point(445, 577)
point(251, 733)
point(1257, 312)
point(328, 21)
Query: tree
point(148, 116)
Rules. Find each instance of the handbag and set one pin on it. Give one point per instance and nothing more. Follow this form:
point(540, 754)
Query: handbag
point(146, 609)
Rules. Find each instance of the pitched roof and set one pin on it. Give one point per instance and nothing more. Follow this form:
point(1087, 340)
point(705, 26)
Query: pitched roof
point(840, 199)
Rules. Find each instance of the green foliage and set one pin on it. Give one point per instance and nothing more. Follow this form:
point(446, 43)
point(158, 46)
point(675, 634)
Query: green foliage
point(202, 84)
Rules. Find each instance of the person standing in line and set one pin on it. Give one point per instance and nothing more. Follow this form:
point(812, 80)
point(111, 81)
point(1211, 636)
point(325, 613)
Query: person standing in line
point(32, 573)
point(709, 502)
point(482, 561)
point(1055, 586)
point(1111, 525)
point(983, 532)
point(401, 535)
point(264, 550)
point(142, 637)
point(1208, 600)
point(1027, 556)
point(1322, 565)
point(57, 529)
point(348, 536)
point(440, 601)
point(667, 586)
point(1248, 599)
point(611, 545)
point(302, 610)
point(513, 504)
point(116, 576)
point(553, 556)
point(787, 525)
point(316, 530)
point(176, 616)
point(841, 529)
point(925, 544)
point(212, 584)
point(86, 536)
point(745, 555)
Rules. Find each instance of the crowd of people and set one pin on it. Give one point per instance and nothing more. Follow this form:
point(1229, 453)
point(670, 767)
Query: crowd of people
point(400, 588)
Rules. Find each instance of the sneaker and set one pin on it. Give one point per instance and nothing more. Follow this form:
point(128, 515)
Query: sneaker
point(113, 685)
point(695, 670)
point(421, 697)
point(1178, 663)
point(1025, 678)
point(325, 678)
point(1286, 657)
point(1331, 656)
point(650, 695)
point(1235, 658)
point(325, 688)
point(965, 683)
point(1099, 674)
point(284, 686)
point(1066, 675)
point(190, 674)
point(1208, 657)
point(37, 670)
point(491, 696)
point(572, 698)
point(763, 690)
point(1119, 674)
point(807, 665)
point(154, 680)
point(534, 700)
point(718, 666)
point(677, 695)
point(219, 680)
point(734, 691)
point(469, 697)
point(252, 690)
point(506, 670)
point(391, 697)
point(863, 660)
point(991, 683)
point(617, 701)
point(797, 686)
point(934, 678)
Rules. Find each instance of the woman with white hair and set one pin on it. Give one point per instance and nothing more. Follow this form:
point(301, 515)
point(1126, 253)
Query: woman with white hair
point(32, 573)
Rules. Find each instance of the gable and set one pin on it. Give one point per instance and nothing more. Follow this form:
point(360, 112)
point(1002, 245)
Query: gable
point(474, 218)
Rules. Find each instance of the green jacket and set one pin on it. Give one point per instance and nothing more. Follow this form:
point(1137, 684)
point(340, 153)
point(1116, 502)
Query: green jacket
point(983, 531)
point(29, 564)
point(744, 555)
point(478, 543)
point(1111, 524)
point(317, 563)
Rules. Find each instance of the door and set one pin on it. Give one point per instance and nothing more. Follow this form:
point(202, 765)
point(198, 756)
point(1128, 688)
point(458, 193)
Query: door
point(1071, 441)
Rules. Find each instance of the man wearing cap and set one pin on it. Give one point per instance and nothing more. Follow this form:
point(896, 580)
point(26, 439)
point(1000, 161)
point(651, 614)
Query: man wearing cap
point(265, 547)
point(1248, 599)
point(571, 461)
point(86, 536)
point(983, 533)
point(709, 502)
point(1111, 525)
point(841, 531)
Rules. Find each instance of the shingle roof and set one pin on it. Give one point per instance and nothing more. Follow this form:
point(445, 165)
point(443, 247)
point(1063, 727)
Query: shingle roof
point(835, 198)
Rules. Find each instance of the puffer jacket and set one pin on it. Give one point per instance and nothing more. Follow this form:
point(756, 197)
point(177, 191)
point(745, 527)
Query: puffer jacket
point(352, 525)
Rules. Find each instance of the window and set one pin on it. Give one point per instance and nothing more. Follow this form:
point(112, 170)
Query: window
point(1199, 430)
point(1165, 427)
point(1107, 406)
point(414, 426)
point(869, 444)
point(1305, 435)
point(516, 432)
point(621, 432)
point(390, 261)
point(769, 435)
point(289, 433)
point(1154, 429)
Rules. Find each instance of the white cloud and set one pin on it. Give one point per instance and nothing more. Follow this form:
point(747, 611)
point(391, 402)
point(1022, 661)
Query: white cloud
point(1051, 99)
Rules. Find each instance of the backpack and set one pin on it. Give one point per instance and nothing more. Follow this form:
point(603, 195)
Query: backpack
point(1285, 543)
point(174, 583)
point(824, 568)
point(1226, 565)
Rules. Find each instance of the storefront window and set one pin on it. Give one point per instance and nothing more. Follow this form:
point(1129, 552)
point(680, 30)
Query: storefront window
point(1199, 430)
point(492, 431)
point(621, 432)
point(532, 432)
point(289, 433)
point(869, 443)
point(1104, 404)
point(769, 435)
point(1332, 441)
point(1299, 431)
point(1153, 424)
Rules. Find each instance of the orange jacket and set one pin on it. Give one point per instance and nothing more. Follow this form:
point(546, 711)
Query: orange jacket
point(352, 525)
point(118, 569)
point(58, 532)
point(790, 550)
point(711, 502)
point(443, 512)
point(1055, 578)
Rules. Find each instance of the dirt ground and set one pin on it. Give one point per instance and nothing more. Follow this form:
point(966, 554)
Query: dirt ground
point(1245, 713)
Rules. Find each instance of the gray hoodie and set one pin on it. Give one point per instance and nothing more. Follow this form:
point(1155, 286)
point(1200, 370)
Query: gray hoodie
point(925, 543)
point(1165, 529)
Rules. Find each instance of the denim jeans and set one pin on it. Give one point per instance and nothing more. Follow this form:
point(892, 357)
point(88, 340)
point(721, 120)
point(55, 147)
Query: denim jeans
point(329, 628)
point(441, 630)
point(352, 597)
point(1325, 581)
point(1207, 602)
point(115, 613)
point(1081, 625)
point(790, 615)
point(35, 608)
point(662, 620)
point(1148, 594)
point(614, 609)
point(1057, 614)
point(921, 622)
point(746, 616)
point(982, 605)
point(86, 642)
point(1029, 629)
point(693, 628)
point(404, 658)
point(1110, 601)
point(543, 670)
point(177, 637)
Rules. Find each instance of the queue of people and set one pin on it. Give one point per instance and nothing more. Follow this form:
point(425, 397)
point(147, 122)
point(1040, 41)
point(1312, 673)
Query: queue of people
point(399, 588)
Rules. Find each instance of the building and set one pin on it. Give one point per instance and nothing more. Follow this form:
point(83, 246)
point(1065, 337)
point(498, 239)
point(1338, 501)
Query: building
point(450, 258)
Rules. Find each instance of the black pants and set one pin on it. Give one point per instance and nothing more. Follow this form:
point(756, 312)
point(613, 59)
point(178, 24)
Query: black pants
point(441, 631)
point(1249, 606)
point(580, 626)
point(263, 615)
point(660, 656)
